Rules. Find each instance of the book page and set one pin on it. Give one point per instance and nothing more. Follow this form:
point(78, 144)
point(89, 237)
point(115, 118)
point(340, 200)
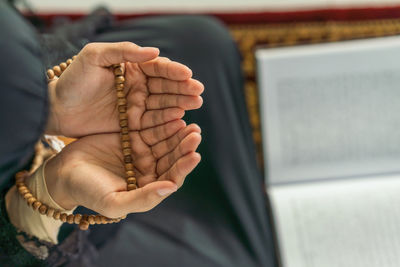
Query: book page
point(331, 110)
point(344, 223)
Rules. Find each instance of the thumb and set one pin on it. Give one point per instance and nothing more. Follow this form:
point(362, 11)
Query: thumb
point(107, 54)
point(145, 198)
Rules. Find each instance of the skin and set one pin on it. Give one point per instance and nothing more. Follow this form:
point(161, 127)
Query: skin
point(90, 171)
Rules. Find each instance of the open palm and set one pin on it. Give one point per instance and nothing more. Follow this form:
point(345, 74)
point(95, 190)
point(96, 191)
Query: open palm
point(158, 90)
point(162, 156)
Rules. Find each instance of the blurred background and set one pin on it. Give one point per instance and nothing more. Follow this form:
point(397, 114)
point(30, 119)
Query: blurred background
point(127, 6)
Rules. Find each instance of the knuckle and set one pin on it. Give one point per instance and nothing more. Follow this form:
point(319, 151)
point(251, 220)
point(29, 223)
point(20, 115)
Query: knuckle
point(126, 44)
point(108, 208)
point(146, 203)
point(89, 48)
point(90, 52)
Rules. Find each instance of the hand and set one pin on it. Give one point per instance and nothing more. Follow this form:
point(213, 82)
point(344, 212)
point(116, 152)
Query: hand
point(84, 98)
point(90, 171)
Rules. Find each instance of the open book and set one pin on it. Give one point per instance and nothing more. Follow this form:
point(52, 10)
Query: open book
point(331, 130)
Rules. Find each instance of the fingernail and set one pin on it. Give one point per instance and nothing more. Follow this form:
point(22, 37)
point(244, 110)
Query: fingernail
point(165, 191)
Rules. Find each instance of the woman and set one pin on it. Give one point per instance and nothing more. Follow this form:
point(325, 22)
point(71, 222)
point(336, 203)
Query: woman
point(82, 104)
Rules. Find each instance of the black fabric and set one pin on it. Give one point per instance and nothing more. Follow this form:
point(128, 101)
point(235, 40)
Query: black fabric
point(23, 93)
point(23, 115)
point(219, 217)
point(23, 112)
point(66, 38)
point(12, 254)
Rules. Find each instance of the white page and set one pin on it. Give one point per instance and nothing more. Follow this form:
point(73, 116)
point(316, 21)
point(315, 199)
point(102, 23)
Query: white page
point(344, 223)
point(330, 110)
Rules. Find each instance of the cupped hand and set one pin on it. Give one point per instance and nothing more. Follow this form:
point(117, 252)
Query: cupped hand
point(83, 99)
point(90, 171)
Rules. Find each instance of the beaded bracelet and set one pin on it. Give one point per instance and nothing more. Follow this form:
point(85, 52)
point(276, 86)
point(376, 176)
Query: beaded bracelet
point(83, 220)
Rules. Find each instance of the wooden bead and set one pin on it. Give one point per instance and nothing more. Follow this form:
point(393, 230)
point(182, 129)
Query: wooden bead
point(28, 195)
point(20, 176)
point(19, 184)
point(50, 74)
point(84, 225)
point(57, 70)
point(22, 187)
point(121, 102)
point(128, 159)
point(36, 205)
point(126, 144)
point(63, 217)
point(77, 218)
point(57, 215)
point(125, 137)
point(103, 220)
point(126, 151)
point(122, 109)
point(50, 212)
point(23, 190)
point(43, 209)
point(131, 180)
point(69, 61)
point(120, 94)
point(124, 130)
point(63, 66)
point(91, 219)
point(119, 79)
point(120, 87)
point(123, 123)
point(116, 66)
point(97, 219)
point(85, 217)
point(31, 200)
point(118, 71)
point(131, 187)
point(123, 116)
point(130, 173)
point(123, 217)
point(70, 219)
point(129, 166)
point(74, 57)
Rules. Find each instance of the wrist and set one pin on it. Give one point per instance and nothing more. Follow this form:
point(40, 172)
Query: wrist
point(56, 178)
point(53, 125)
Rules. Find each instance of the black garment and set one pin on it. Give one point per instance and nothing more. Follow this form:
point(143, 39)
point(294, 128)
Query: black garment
point(219, 217)
point(23, 116)
point(23, 93)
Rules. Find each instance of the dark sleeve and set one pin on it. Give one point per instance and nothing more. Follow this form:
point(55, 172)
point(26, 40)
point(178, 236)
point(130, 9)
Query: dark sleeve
point(23, 93)
point(23, 113)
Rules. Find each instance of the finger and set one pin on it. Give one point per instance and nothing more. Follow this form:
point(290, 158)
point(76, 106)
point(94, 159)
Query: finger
point(107, 54)
point(182, 167)
point(168, 101)
point(165, 68)
point(187, 145)
point(166, 86)
point(168, 145)
point(157, 117)
point(157, 134)
point(144, 198)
